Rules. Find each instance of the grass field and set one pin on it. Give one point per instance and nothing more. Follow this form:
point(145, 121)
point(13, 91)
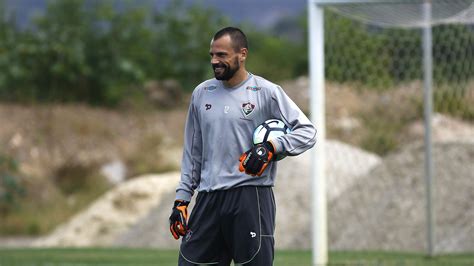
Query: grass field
point(148, 257)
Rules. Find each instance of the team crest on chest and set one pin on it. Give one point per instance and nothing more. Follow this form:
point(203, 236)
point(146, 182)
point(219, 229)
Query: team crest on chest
point(248, 108)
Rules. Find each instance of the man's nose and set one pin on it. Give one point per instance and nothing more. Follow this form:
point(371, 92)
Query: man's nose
point(214, 60)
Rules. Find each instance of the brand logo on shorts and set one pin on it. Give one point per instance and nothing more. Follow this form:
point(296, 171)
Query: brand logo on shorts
point(188, 235)
point(253, 234)
point(208, 106)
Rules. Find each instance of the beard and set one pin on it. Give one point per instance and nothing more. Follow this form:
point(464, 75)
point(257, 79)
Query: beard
point(225, 71)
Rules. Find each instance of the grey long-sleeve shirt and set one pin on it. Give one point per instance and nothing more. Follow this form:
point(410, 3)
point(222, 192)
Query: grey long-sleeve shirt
point(219, 128)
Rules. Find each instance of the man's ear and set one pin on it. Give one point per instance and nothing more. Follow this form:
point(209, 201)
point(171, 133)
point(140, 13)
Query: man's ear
point(243, 54)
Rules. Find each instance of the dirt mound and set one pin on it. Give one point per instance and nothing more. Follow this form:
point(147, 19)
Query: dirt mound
point(386, 208)
point(112, 214)
point(445, 129)
point(153, 229)
point(380, 205)
point(345, 166)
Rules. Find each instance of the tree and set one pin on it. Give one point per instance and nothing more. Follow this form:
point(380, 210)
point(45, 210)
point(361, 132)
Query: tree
point(182, 42)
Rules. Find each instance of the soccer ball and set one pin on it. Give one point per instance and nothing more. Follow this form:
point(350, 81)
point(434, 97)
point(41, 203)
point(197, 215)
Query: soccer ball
point(268, 130)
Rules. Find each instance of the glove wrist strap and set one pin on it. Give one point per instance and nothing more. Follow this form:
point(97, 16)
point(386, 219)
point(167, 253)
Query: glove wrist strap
point(178, 203)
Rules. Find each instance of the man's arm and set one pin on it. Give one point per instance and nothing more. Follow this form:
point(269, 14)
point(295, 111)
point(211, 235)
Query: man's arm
point(190, 172)
point(192, 155)
point(303, 133)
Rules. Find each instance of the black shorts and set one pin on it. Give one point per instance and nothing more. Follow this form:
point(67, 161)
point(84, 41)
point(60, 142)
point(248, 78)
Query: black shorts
point(236, 224)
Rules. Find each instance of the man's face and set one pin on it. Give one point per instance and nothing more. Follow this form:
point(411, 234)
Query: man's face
point(224, 60)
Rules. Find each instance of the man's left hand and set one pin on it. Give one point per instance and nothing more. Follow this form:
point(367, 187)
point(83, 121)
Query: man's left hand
point(255, 160)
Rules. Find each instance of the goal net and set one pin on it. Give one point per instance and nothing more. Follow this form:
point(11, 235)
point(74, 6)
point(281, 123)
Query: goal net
point(374, 96)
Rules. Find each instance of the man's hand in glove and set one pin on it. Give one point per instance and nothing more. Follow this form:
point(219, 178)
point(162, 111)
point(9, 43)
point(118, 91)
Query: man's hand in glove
point(178, 218)
point(255, 160)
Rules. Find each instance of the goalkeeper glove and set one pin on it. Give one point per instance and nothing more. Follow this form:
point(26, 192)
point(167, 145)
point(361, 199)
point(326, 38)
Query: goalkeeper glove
point(255, 160)
point(178, 218)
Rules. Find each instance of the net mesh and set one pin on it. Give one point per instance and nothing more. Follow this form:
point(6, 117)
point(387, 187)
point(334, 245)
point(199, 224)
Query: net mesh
point(374, 90)
point(408, 14)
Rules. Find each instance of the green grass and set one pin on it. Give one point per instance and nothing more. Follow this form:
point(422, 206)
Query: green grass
point(147, 257)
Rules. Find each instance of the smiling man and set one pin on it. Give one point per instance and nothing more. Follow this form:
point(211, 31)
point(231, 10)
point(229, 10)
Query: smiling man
point(234, 215)
point(228, 58)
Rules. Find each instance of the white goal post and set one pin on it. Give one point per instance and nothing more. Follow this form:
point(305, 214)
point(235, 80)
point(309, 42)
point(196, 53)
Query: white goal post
point(319, 231)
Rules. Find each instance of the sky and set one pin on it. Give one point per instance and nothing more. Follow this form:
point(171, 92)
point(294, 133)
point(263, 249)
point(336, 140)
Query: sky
point(261, 13)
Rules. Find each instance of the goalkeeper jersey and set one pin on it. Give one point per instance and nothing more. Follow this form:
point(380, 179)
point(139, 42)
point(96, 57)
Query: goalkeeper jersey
point(219, 128)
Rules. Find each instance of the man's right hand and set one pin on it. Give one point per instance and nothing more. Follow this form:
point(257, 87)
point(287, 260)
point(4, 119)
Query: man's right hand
point(255, 160)
point(178, 218)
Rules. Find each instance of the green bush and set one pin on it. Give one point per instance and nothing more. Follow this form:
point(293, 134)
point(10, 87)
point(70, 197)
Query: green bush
point(82, 51)
point(272, 57)
point(11, 187)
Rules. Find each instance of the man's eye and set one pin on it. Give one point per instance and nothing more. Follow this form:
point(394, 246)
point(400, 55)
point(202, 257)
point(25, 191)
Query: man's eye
point(219, 55)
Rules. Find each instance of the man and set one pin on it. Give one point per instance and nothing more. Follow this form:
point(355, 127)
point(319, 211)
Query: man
point(234, 214)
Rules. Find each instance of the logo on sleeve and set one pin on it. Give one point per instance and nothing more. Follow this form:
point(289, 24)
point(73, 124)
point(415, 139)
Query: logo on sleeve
point(248, 108)
point(210, 88)
point(208, 106)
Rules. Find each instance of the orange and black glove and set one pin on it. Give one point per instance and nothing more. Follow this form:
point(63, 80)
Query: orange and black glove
point(255, 160)
point(178, 218)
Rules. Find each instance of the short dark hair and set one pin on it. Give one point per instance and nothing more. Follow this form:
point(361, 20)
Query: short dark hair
point(239, 40)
